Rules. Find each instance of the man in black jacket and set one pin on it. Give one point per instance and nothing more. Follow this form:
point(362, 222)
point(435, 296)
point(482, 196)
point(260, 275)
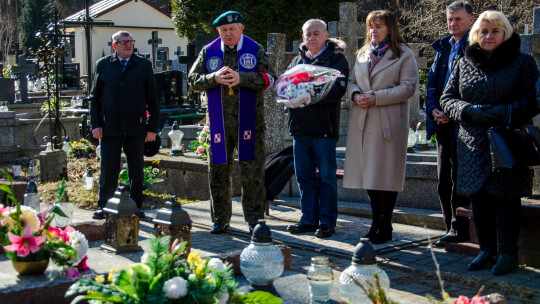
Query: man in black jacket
point(124, 115)
point(315, 132)
point(449, 50)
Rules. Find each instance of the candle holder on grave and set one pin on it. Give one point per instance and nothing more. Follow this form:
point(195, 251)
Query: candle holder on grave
point(121, 223)
point(174, 221)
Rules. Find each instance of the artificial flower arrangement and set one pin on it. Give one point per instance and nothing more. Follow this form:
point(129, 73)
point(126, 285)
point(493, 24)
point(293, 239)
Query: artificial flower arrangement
point(164, 276)
point(200, 144)
point(305, 84)
point(27, 236)
point(82, 149)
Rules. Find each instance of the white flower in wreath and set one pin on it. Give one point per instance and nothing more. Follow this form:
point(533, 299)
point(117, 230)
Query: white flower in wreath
point(78, 241)
point(175, 288)
point(217, 264)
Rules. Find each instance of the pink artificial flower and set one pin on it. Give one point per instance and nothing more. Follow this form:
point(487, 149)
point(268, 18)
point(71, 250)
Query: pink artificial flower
point(82, 264)
point(57, 232)
point(200, 149)
point(24, 244)
point(72, 273)
point(479, 300)
point(462, 300)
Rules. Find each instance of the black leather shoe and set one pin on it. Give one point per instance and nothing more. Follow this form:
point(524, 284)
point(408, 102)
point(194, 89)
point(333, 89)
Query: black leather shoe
point(505, 264)
point(219, 228)
point(481, 261)
point(251, 227)
point(325, 231)
point(301, 228)
point(452, 237)
point(98, 215)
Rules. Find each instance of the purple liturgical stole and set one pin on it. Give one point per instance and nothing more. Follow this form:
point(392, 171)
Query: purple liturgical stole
point(247, 62)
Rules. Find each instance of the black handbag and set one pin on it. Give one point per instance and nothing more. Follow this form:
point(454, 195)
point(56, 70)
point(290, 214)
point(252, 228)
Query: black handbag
point(514, 146)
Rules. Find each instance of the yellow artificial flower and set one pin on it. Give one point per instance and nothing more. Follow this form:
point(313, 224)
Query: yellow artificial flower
point(100, 278)
point(193, 257)
point(110, 276)
point(199, 270)
point(92, 292)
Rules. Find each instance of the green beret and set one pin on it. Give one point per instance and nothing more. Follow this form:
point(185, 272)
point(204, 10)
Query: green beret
point(228, 17)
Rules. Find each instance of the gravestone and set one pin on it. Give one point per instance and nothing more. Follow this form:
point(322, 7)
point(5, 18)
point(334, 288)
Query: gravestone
point(72, 74)
point(9, 146)
point(179, 66)
point(22, 70)
point(7, 90)
point(190, 57)
point(274, 114)
point(348, 30)
point(169, 87)
point(414, 102)
point(52, 165)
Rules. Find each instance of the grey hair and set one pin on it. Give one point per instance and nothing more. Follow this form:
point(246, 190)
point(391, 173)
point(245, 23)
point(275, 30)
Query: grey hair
point(119, 34)
point(314, 21)
point(460, 4)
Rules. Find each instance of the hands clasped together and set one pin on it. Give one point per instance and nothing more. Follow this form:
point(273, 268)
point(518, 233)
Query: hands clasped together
point(364, 100)
point(227, 77)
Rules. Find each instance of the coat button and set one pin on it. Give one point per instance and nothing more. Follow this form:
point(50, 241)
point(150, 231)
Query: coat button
point(369, 132)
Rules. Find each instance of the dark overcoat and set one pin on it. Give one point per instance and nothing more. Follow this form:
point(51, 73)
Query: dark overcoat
point(506, 77)
point(120, 98)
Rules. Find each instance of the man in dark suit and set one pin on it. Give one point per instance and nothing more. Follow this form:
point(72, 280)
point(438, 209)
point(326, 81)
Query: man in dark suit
point(124, 115)
point(449, 50)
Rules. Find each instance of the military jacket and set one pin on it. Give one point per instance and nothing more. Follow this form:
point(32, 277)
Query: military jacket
point(199, 80)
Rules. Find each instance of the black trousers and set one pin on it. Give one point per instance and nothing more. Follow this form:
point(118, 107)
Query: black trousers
point(447, 174)
point(494, 219)
point(111, 149)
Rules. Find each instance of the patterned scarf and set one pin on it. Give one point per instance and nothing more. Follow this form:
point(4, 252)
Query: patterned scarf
point(376, 52)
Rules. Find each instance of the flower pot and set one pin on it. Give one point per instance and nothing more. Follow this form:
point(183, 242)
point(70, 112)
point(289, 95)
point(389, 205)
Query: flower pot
point(30, 268)
point(60, 221)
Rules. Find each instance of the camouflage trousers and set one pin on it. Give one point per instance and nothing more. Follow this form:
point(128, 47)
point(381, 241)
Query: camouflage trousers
point(251, 178)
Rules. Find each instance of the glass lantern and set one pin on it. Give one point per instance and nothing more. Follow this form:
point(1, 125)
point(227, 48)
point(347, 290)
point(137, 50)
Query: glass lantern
point(66, 146)
point(421, 134)
point(362, 271)
point(31, 196)
point(16, 168)
point(320, 278)
point(261, 262)
point(176, 138)
point(33, 170)
point(89, 179)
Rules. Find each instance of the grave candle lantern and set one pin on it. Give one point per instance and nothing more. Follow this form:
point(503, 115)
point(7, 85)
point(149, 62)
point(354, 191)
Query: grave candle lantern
point(174, 221)
point(121, 223)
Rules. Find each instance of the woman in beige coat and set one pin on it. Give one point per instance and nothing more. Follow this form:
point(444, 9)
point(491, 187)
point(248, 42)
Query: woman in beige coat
point(384, 77)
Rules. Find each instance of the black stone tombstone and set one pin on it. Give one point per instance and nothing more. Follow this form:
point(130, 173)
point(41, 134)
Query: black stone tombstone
point(23, 69)
point(72, 73)
point(7, 90)
point(189, 59)
point(169, 86)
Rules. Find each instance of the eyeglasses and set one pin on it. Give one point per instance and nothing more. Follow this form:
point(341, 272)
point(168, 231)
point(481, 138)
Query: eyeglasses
point(125, 42)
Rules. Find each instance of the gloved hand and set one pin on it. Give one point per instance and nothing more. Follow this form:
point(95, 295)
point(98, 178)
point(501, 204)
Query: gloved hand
point(499, 111)
point(478, 115)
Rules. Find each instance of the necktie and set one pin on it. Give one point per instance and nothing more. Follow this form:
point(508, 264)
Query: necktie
point(124, 63)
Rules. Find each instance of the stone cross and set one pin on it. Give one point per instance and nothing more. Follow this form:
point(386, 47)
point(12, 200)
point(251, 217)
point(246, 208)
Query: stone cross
point(24, 69)
point(190, 57)
point(178, 53)
point(348, 29)
point(414, 102)
point(155, 41)
point(274, 114)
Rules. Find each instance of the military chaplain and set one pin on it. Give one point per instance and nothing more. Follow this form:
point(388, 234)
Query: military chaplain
point(234, 70)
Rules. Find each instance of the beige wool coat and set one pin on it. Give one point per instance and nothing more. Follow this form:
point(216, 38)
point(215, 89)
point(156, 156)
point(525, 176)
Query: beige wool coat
point(377, 136)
